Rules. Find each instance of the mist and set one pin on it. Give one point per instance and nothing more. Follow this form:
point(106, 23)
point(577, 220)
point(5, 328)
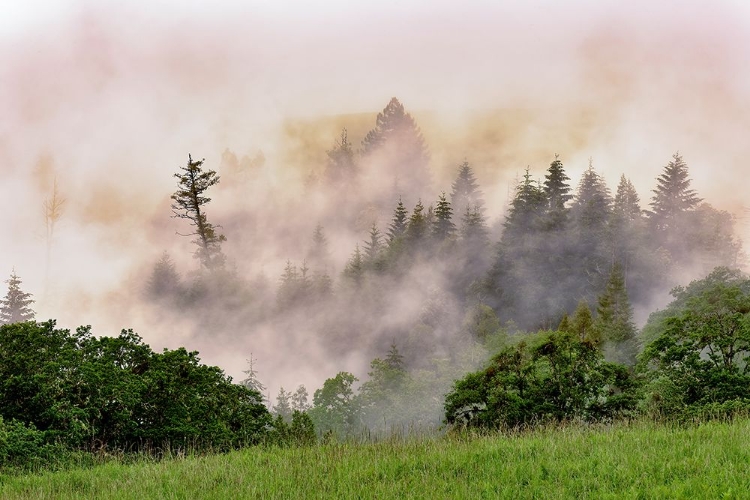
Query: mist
point(107, 101)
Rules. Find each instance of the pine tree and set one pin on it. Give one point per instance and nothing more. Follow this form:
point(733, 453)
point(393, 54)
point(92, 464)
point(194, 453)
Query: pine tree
point(374, 245)
point(582, 324)
point(627, 203)
point(319, 254)
point(399, 222)
point(189, 201)
point(527, 208)
point(14, 307)
point(417, 227)
point(283, 407)
point(592, 205)
point(615, 318)
point(164, 280)
point(465, 190)
point(288, 291)
point(355, 269)
point(557, 191)
point(474, 227)
point(672, 196)
point(398, 141)
point(443, 227)
point(251, 380)
point(299, 399)
point(341, 168)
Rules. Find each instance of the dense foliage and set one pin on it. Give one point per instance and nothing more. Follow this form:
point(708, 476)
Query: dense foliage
point(116, 393)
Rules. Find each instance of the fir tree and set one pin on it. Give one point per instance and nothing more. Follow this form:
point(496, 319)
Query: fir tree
point(615, 317)
point(443, 227)
point(474, 227)
point(299, 399)
point(283, 407)
point(557, 191)
point(14, 307)
point(627, 203)
point(465, 190)
point(319, 254)
point(399, 222)
point(189, 201)
point(398, 141)
point(374, 244)
point(251, 380)
point(341, 168)
point(355, 269)
point(672, 196)
point(526, 209)
point(592, 204)
point(164, 280)
point(582, 324)
point(417, 227)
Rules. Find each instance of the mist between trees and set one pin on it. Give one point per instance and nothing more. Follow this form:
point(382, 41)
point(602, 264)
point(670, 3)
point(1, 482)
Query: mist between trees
point(371, 268)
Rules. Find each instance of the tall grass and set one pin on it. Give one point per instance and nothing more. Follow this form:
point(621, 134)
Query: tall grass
point(624, 460)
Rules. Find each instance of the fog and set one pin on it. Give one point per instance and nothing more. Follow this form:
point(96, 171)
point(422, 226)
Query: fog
point(108, 100)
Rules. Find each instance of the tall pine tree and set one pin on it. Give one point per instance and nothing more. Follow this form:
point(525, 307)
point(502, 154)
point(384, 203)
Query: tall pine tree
point(15, 306)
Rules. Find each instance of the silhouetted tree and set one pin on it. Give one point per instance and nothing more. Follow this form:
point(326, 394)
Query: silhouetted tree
point(557, 191)
point(189, 201)
point(341, 169)
point(164, 281)
point(399, 222)
point(443, 227)
point(465, 190)
point(672, 195)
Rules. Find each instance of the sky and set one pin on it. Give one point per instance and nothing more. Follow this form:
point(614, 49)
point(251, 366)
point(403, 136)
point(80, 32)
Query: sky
point(107, 98)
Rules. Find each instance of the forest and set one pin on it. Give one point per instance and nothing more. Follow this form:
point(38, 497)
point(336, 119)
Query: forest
point(456, 317)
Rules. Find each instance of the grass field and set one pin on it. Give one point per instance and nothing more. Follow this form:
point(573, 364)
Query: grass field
point(641, 460)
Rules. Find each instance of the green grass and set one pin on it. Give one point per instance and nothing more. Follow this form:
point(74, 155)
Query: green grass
point(640, 460)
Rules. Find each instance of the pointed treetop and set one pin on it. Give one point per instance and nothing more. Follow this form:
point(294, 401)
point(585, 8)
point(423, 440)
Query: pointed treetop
point(14, 307)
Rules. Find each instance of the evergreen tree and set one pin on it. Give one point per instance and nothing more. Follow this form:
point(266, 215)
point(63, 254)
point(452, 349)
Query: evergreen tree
point(527, 208)
point(319, 254)
point(672, 196)
point(627, 203)
point(592, 204)
point(283, 407)
point(15, 306)
point(443, 227)
point(164, 280)
point(474, 227)
point(399, 222)
point(465, 190)
point(400, 147)
point(557, 191)
point(288, 291)
point(374, 245)
point(615, 317)
point(355, 268)
point(251, 380)
point(189, 201)
point(299, 399)
point(341, 168)
point(582, 324)
point(417, 227)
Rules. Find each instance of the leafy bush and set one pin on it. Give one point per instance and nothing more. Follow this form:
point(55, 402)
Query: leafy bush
point(556, 377)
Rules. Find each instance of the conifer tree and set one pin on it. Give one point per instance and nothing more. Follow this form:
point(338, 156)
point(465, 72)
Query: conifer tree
point(672, 196)
point(15, 306)
point(615, 315)
point(355, 268)
point(283, 407)
point(592, 204)
point(341, 169)
point(465, 190)
point(319, 254)
point(251, 380)
point(627, 203)
point(526, 209)
point(443, 227)
point(417, 227)
point(189, 201)
point(557, 191)
point(299, 399)
point(374, 244)
point(583, 325)
point(399, 222)
point(398, 142)
point(164, 280)
point(474, 227)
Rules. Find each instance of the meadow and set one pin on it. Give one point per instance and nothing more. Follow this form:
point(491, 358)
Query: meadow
point(624, 460)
